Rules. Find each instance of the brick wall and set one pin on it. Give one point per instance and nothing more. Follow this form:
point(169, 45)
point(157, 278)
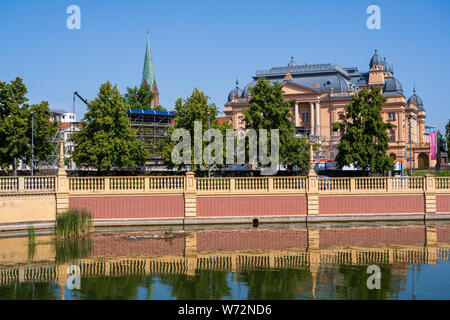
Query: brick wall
point(251, 206)
point(443, 204)
point(131, 207)
point(371, 204)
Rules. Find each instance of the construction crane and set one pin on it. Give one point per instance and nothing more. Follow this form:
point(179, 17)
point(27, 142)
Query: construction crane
point(80, 97)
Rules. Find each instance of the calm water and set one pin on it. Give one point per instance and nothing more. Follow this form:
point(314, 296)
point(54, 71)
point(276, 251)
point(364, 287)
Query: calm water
point(276, 262)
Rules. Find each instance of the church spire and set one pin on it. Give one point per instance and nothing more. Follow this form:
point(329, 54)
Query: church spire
point(148, 74)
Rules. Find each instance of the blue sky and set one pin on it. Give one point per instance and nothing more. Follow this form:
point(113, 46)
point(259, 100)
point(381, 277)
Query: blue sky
point(207, 44)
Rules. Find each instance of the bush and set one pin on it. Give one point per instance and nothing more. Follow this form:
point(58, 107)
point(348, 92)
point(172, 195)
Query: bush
point(73, 224)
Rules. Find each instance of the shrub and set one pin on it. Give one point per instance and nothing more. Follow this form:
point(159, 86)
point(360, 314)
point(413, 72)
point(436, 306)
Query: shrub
point(73, 224)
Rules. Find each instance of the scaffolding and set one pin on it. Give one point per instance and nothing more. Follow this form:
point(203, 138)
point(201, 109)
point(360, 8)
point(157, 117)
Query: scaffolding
point(151, 126)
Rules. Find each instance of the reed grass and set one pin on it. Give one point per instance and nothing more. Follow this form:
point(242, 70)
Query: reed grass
point(31, 236)
point(75, 223)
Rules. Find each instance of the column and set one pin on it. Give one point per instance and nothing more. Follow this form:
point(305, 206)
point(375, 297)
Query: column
point(317, 118)
point(296, 114)
point(311, 119)
point(190, 195)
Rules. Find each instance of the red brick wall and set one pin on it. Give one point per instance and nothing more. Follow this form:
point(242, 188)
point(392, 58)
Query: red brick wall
point(251, 239)
point(132, 207)
point(443, 204)
point(372, 236)
point(443, 234)
point(251, 206)
point(371, 204)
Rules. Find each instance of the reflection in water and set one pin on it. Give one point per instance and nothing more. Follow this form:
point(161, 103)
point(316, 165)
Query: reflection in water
point(290, 262)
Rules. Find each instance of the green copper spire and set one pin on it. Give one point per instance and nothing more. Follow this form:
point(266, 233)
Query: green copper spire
point(148, 74)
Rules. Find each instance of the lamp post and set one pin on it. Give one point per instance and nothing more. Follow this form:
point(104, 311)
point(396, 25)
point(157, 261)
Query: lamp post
point(209, 125)
point(32, 143)
point(311, 172)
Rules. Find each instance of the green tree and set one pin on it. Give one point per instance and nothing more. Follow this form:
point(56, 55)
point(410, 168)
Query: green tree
point(107, 139)
point(194, 108)
point(15, 125)
point(268, 110)
point(364, 142)
point(139, 98)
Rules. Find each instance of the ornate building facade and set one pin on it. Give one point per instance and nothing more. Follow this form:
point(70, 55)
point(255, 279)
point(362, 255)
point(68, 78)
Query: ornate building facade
point(321, 92)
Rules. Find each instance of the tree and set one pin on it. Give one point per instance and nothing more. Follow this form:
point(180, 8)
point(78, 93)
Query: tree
point(106, 138)
point(268, 110)
point(364, 142)
point(15, 125)
point(139, 98)
point(194, 108)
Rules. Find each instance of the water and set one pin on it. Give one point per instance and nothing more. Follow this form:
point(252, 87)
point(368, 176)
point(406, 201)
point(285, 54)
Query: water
point(270, 262)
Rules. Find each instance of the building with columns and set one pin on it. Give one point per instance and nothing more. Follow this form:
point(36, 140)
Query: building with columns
point(321, 92)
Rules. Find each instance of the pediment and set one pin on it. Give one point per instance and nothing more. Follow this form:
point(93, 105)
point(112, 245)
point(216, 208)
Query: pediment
point(295, 88)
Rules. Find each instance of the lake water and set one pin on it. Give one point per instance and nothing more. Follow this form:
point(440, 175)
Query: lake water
point(342, 261)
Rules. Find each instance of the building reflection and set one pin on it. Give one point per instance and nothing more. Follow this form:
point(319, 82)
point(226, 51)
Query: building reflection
point(292, 262)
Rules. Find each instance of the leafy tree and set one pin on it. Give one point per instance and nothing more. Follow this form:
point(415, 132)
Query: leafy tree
point(194, 108)
point(106, 138)
point(268, 110)
point(364, 142)
point(15, 125)
point(139, 98)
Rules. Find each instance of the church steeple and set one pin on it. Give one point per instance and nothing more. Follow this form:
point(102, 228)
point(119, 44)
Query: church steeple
point(148, 74)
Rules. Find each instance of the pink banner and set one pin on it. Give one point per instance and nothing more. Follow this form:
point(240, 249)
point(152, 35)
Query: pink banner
point(433, 149)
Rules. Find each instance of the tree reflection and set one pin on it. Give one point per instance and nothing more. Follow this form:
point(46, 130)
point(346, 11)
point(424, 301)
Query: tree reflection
point(205, 285)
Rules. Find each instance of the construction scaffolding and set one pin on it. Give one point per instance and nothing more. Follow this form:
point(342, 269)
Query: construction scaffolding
point(152, 126)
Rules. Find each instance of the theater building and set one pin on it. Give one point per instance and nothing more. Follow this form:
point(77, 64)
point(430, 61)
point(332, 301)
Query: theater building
point(321, 92)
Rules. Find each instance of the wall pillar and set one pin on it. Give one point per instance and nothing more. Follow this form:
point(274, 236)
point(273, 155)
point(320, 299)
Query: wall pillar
point(62, 183)
point(190, 252)
point(430, 194)
point(190, 195)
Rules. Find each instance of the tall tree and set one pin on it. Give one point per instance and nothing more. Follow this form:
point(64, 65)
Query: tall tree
point(364, 142)
point(106, 138)
point(194, 108)
point(268, 110)
point(15, 125)
point(139, 98)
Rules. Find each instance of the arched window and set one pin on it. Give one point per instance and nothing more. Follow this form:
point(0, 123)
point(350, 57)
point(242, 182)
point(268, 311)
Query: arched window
point(392, 135)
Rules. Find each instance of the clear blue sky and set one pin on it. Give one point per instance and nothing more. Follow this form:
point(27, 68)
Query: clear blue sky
point(206, 44)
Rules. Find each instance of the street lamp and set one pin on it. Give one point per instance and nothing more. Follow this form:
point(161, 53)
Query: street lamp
point(209, 125)
point(32, 143)
point(311, 172)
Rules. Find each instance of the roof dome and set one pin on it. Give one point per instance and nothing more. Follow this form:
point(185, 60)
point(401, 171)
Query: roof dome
point(417, 100)
point(375, 60)
point(292, 63)
point(392, 85)
point(387, 67)
point(235, 93)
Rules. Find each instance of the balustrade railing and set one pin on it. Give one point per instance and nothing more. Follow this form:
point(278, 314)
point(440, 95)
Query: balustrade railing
point(87, 184)
point(250, 184)
point(9, 184)
point(213, 184)
point(442, 183)
point(40, 183)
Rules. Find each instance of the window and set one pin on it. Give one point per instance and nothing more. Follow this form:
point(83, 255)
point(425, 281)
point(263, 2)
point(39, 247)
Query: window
point(391, 115)
point(305, 117)
point(392, 135)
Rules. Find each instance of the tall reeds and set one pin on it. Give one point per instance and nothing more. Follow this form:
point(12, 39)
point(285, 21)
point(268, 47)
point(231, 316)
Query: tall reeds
point(75, 223)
